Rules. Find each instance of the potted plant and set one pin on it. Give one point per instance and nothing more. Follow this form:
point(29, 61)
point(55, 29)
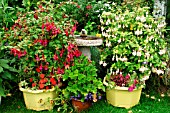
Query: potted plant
point(39, 39)
point(134, 49)
point(83, 86)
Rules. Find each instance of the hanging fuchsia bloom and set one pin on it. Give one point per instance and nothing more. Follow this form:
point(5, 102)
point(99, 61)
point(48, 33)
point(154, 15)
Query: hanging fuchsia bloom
point(61, 52)
point(60, 71)
point(45, 42)
point(77, 53)
point(18, 53)
point(46, 67)
point(55, 57)
point(41, 67)
point(66, 32)
point(36, 16)
point(70, 47)
point(42, 27)
point(37, 58)
point(73, 29)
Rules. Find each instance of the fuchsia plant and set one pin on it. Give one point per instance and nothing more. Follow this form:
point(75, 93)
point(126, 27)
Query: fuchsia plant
point(42, 44)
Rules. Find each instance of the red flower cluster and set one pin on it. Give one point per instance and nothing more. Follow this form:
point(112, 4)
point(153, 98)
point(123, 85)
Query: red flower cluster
point(43, 42)
point(18, 53)
point(50, 27)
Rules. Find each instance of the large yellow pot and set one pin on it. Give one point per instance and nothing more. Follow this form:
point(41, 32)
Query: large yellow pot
point(39, 99)
point(121, 97)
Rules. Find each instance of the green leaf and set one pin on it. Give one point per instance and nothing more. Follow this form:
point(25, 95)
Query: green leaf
point(4, 65)
point(12, 69)
point(1, 69)
point(3, 61)
point(2, 93)
point(6, 75)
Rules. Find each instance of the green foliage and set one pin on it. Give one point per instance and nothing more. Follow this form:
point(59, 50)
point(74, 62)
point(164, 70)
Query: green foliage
point(134, 43)
point(7, 72)
point(82, 78)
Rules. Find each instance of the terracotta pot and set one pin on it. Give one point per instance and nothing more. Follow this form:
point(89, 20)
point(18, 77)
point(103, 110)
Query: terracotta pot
point(79, 106)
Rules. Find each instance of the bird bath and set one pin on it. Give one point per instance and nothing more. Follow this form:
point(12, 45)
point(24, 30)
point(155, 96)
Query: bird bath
point(85, 42)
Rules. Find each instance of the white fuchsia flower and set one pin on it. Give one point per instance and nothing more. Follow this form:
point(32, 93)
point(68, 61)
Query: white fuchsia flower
point(101, 62)
point(159, 72)
point(138, 32)
point(104, 64)
point(138, 53)
point(108, 22)
point(145, 78)
point(138, 18)
point(134, 53)
point(119, 41)
point(161, 52)
point(142, 19)
point(113, 58)
point(142, 69)
point(108, 44)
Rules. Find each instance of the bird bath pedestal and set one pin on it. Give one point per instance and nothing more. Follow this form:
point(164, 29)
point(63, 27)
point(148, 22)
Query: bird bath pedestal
point(84, 44)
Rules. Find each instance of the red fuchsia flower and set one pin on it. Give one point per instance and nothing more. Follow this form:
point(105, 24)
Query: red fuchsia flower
point(41, 86)
point(34, 84)
point(31, 79)
point(70, 47)
point(45, 42)
point(37, 58)
point(24, 53)
point(43, 56)
point(73, 29)
point(61, 52)
point(41, 67)
point(18, 53)
point(36, 16)
point(42, 27)
point(66, 32)
point(70, 56)
point(38, 70)
point(67, 66)
point(88, 7)
point(77, 53)
point(46, 67)
point(60, 71)
point(42, 76)
point(55, 57)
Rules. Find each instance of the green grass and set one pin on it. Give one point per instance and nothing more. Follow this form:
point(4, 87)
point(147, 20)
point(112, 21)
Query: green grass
point(15, 104)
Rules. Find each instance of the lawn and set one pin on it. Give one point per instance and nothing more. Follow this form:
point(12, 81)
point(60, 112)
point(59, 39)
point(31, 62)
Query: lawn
point(152, 103)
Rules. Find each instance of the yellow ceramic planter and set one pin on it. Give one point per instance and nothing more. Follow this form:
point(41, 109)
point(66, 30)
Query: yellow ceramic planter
point(40, 99)
point(121, 97)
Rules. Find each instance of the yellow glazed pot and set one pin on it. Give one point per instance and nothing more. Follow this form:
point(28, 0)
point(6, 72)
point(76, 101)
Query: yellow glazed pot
point(39, 99)
point(121, 97)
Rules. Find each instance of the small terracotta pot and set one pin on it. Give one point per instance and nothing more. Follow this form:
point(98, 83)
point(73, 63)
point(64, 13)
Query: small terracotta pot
point(79, 106)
